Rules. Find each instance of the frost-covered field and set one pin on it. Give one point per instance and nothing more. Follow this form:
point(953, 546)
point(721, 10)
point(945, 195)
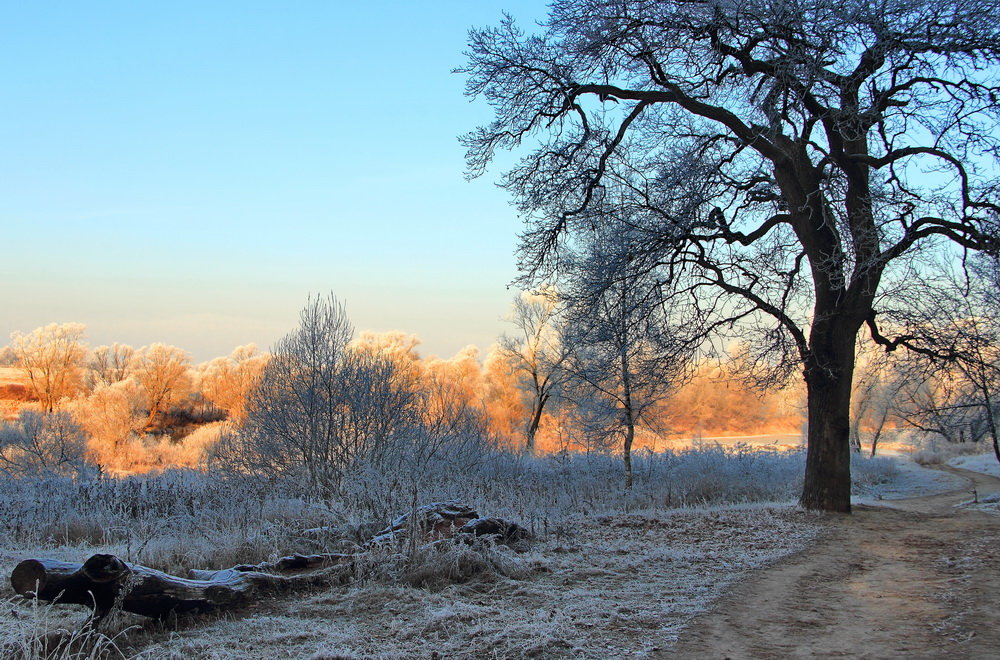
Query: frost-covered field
point(610, 574)
point(908, 479)
point(985, 463)
point(611, 586)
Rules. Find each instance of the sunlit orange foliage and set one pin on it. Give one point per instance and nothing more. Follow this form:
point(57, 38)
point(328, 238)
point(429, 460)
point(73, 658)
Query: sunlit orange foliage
point(716, 403)
point(503, 400)
point(110, 364)
point(453, 388)
point(52, 359)
point(113, 416)
point(124, 410)
point(163, 372)
point(227, 382)
point(400, 347)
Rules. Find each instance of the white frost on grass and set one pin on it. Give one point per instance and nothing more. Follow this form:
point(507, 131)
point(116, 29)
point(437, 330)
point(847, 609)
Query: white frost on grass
point(611, 586)
point(983, 463)
point(909, 480)
point(990, 503)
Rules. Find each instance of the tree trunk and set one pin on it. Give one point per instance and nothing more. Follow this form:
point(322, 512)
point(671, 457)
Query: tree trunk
point(533, 423)
point(627, 449)
point(991, 422)
point(828, 374)
point(627, 454)
point(105, 580)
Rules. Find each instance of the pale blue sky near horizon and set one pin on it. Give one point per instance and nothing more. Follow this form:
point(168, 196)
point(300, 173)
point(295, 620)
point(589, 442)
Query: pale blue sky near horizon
point(190, 172)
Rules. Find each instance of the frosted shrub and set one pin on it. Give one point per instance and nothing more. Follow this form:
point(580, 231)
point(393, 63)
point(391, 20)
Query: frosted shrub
point(872, 471)
point(935, 450)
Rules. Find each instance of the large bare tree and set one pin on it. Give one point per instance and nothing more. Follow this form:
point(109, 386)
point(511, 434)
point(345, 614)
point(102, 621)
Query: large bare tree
point(780, 164)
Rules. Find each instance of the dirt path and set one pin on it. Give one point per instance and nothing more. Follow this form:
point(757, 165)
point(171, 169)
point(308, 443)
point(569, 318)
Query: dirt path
point(920, 580)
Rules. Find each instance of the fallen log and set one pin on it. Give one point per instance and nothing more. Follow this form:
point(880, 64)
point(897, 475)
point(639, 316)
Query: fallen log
point(294, 562)
point(498, 529)
point(430, 522)
point(103, 581)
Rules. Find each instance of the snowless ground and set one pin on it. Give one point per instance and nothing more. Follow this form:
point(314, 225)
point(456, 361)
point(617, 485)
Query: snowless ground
point(919, 580)
point(610, 586)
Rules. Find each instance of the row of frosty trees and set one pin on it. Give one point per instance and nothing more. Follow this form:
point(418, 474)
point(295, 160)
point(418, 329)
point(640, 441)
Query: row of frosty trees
point(570, 376)
point(116, 408)
point(129, 410)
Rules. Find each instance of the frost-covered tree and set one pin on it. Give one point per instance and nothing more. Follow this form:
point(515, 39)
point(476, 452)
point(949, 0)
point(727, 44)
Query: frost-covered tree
point(951, 385)
point(537, 353)
point(164, 374)
point(111, 416)
point(624, 356)
point(40, 444)
point(228, 381)
point(776, 164)
point(110, 364)
point(322, 405)
point(874, 397)
point(52, 357)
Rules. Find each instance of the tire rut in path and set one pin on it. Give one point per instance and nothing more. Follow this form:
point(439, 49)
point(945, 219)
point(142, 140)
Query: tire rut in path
point(917, 580)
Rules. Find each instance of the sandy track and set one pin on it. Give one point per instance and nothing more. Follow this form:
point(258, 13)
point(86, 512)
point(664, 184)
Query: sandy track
point(920, 580)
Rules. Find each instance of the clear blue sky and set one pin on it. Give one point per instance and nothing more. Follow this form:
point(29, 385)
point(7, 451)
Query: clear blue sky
point(189, 172)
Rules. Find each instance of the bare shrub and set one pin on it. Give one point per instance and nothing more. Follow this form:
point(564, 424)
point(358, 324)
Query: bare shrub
point(320, 406)
point(936, 450)
point(41, 443)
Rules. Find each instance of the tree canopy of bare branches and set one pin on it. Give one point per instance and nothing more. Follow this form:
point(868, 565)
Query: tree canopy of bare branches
point(52, 357)
point(321, 404)
point(537, 353)
point(777, 164)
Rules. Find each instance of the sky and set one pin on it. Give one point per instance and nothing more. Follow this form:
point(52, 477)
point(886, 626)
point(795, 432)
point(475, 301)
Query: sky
point(190, 172)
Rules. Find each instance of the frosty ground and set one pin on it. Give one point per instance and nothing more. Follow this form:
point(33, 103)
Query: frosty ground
point(606, 577)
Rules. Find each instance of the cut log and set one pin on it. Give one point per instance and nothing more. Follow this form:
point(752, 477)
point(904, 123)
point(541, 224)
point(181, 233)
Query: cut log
point(104, 580)
point(502, 531)
point(294, 562)
point(434, 521)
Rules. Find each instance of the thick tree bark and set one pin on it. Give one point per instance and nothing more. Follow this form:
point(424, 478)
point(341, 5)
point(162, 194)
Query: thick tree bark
point(829, 372)
point(104, 580)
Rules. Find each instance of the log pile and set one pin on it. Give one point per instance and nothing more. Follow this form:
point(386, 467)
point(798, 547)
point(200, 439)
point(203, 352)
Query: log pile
point(104, 582)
